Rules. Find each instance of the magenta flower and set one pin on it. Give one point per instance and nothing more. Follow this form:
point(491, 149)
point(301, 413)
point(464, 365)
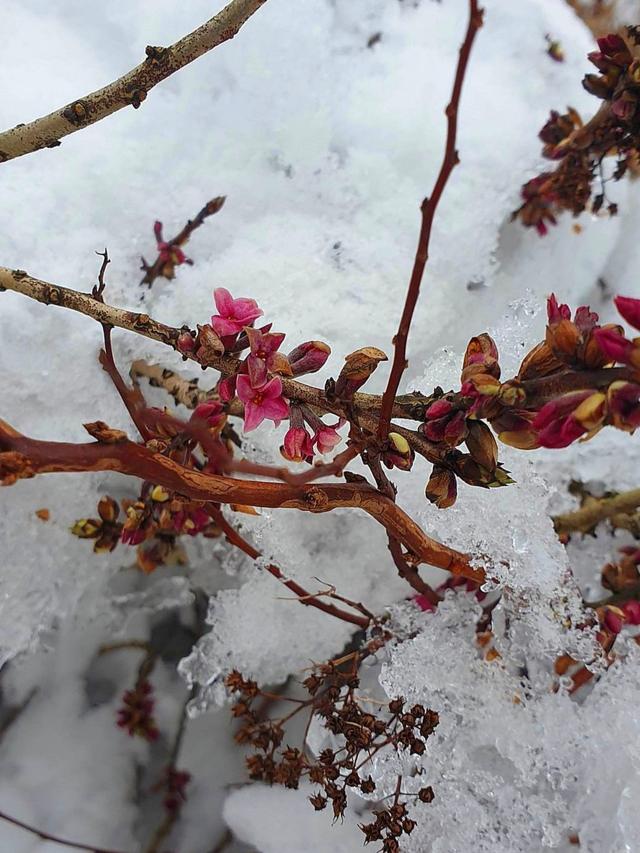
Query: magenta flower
point(297, 446)
point(191, 520)
point(264, 355)
point(265, 402)
point(629, 309)
point(233, 314)
point(326, 439)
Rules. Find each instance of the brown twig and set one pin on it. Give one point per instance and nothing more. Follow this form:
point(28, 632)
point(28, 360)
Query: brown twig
point(47, 836)
point(129, 90)
point(304, 597)
point(428, 210)
point(159, 266)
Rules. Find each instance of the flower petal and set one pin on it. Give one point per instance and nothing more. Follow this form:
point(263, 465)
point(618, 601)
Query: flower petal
point(253, 416)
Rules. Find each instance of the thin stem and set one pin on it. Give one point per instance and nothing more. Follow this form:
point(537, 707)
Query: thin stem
point(47, 836)
point(428, 210)
point(596, 510)
point(304, 597)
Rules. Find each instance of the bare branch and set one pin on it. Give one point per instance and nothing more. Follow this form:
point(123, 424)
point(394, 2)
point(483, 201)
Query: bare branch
point(25, 457)
point(129, 90)
point(428, 209)
point(46, 836)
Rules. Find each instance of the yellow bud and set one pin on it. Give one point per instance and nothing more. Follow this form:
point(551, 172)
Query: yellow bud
point(590, 412)
point(400, 443)
point(159, 494)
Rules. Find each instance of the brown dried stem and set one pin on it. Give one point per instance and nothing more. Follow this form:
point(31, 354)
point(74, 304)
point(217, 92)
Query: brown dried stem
point(428, 210)
point(129, 90)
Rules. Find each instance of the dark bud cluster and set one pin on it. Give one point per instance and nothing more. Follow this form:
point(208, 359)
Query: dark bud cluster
point(333, 696)
point(579, 149)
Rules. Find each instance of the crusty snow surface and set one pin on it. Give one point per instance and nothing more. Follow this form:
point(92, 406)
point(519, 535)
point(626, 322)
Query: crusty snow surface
point(324, 148)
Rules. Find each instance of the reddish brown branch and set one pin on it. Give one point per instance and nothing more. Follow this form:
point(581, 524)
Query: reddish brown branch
point(24, 457)
point(428, 210)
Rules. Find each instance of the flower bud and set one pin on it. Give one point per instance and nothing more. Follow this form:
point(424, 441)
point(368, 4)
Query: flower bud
point(442, 488)
point(86, 528)
point(540, 361)
point(629, 309)
point(308, 357)
point(185, 343)
point(211, 411)
point(297, 446)
point(108, 509)
point(481, 444)
point(358, 367)
point(209, 345)
point(623, 401)
point(399, 453)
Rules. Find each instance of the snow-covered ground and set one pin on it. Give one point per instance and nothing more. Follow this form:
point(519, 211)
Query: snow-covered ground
point(324, 147)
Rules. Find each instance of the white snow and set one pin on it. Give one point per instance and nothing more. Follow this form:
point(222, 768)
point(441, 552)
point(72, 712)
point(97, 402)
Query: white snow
point(324, 148)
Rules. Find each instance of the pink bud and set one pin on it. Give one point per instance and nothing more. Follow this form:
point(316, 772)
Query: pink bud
point(629, 309)
point(211, 412)
point(614, 345)
point(185, 342)
point(632, 612)
point(308, 357)
point(297, 446)
point(438, 409)
point(613, 619)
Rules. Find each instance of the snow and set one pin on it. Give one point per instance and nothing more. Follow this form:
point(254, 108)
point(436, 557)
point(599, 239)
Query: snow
point(324, 148)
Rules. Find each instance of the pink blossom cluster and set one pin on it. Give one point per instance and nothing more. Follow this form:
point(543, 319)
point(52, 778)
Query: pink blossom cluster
point(258, 384)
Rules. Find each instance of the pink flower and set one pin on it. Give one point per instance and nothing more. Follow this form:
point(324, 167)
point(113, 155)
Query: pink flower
point(297, 446)
point(234, 314)
point(629, 309)
point(265, 402)
point(264, 355)
point(191, 521)
point(326, 439)
point(555, 312)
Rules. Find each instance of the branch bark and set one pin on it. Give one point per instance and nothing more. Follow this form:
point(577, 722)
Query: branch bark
point(595, 510)
point(129, 90)
point(21, 457)
point(428, 209)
